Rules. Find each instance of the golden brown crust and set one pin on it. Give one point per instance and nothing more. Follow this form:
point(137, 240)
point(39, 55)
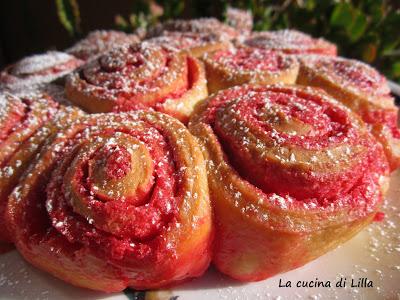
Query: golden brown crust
point(363, 90)
point(280, 200)
point(236, 66)
point(163, 80)
point(33, 118)
point(36, 70)
point(119, 232)
point(196, 44)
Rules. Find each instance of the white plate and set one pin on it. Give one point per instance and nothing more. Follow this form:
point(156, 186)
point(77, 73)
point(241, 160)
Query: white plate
point(374, 254)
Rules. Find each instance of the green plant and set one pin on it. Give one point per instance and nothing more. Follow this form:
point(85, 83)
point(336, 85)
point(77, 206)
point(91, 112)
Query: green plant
point(144, 14)
point(69, 15)
point(365, 30)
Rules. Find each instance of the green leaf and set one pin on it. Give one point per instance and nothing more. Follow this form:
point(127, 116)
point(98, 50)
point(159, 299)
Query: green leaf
point(358, 26)
point(369, 53)
point(341, 15)
point(310, 4)
point(69, 15)
point(121, 22)
point(396, 69)
point(390, 45)
point(132, 294)
point(375, 10)
point(265, 22)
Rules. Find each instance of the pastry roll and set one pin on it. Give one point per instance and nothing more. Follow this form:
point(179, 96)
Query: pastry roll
point(362, 89)
point(239, 65)
point(116, 200)
point(292, 174)
point(140, 76)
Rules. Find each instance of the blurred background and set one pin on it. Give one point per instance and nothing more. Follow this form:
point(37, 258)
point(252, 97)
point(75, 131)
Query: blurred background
point(367, 30)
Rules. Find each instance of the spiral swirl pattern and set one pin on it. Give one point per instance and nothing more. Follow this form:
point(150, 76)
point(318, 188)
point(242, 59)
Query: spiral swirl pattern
point(122, 200)
point(19, 119)
point(239, 65)
point(26, 122)
point(362, 89)
point(36, 70)
point(287, 166)
point(290, 42)
point(139, 77)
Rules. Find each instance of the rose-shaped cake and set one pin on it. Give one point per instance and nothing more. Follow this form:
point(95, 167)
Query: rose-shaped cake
point(290, 42)
point(116, 200)
point(362, 89)
point(292, 173)
point(100, 41)
point(26, 122)
point(37, 69)
point(239, 65)
point(140, 76)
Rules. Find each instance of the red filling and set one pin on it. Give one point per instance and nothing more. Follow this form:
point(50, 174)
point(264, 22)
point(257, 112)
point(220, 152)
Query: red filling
point(358, 75)
point(115, 228)
point(23, 117)
point(118, 163)
point(379, 217)
point(16, 114)
point(330, 127)
point(114, 74)
point(250, 59)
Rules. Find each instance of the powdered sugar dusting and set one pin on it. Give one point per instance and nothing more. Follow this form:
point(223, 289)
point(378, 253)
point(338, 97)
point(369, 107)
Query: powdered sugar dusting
point(37, 69)
point(202, 25)
point(291, 42)
point(177, 41)
point(100, 41)
point(350, 73)
point(252, 60)
point(269, 128)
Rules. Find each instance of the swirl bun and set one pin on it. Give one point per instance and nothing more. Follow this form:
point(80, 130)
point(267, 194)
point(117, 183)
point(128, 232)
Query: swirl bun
point(362, 89)
point(100, 41)
point(292, 174)
point(116, 200)
point(140, 76)
point(36, 70)
point(290, 42)
point(26, 122)
point(235, 66)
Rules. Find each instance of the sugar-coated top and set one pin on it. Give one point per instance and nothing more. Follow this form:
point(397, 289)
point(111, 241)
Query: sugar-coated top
point(349, 73)
point(293, 146)
point(99, 41)
point(291, 42)
point(176, 41)
point(37, 69)
point(202, 25)
point(251, 59)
